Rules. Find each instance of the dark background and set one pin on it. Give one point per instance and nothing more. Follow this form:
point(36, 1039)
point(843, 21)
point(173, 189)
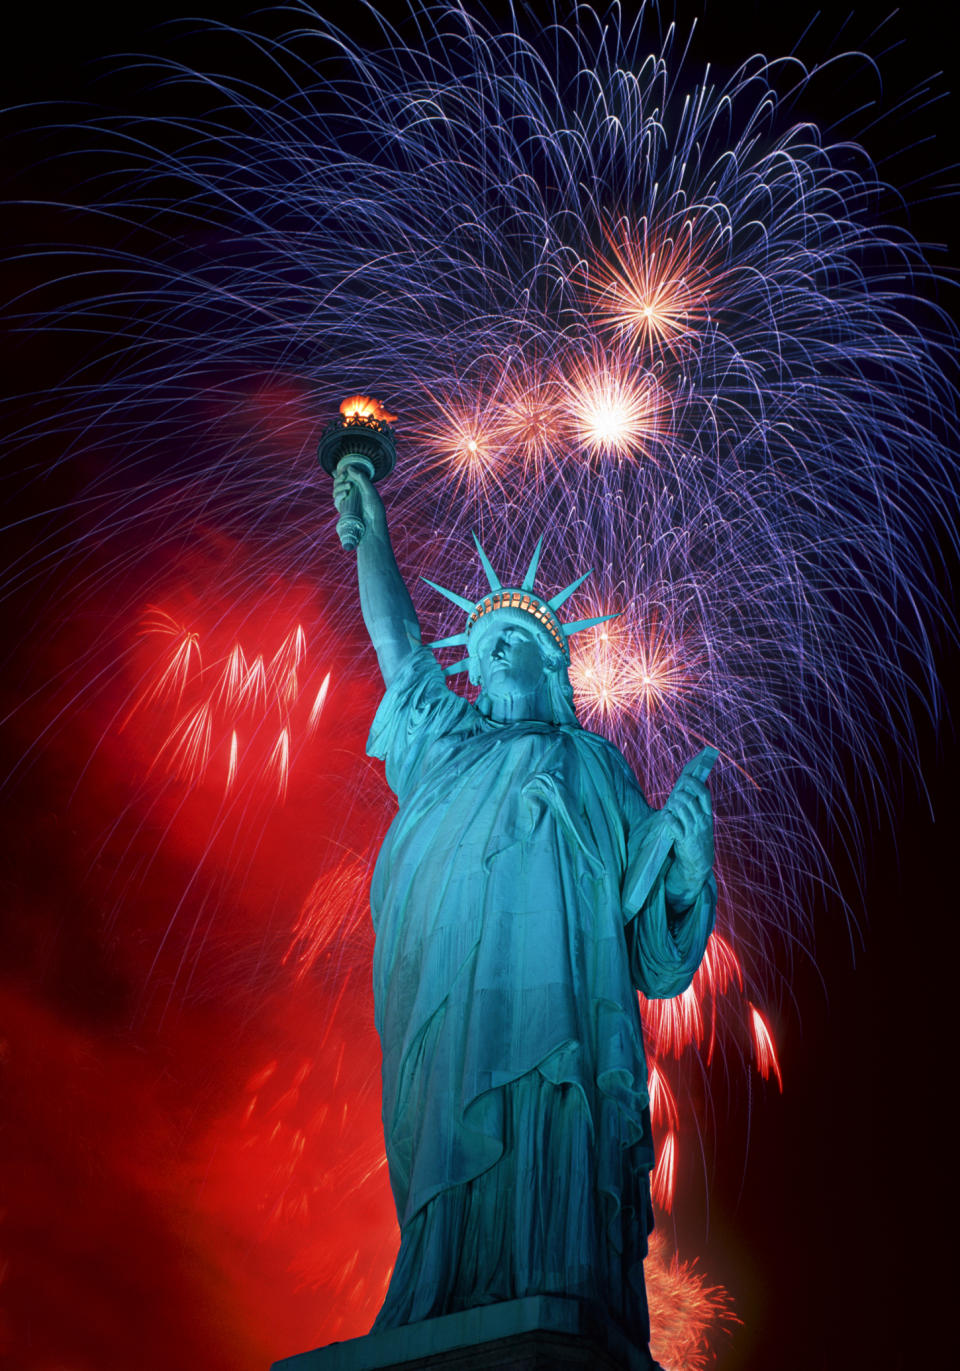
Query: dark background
point(832, 1217)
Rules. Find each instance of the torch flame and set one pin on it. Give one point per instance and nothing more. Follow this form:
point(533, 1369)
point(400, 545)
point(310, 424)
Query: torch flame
point(366, 406)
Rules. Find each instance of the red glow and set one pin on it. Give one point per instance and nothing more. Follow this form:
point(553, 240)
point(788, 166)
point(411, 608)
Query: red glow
point(335, 914)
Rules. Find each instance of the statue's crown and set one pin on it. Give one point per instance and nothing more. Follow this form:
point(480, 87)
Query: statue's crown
point(521, 601)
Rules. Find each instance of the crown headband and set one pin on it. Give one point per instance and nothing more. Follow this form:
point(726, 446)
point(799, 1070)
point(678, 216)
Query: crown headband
point(520, 600)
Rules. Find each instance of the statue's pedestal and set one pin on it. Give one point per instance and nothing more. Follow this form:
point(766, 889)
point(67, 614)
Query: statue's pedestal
point(540, 1333)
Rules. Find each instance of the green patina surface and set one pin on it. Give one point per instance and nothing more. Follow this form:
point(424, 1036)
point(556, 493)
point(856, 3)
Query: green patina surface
point(524, 893)
point(511, 939)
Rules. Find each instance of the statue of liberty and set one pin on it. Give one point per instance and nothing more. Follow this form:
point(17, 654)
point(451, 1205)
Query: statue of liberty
point(524, 892)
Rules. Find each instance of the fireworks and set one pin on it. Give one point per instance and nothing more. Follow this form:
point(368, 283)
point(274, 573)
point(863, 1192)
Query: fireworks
point(334, 917)
point(616, 303)
point(685, 1311)
point(616, 413)
point(229, 692)
point(764, 1047)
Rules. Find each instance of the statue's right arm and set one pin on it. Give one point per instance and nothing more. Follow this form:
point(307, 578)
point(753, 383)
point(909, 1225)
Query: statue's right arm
point(385, 602)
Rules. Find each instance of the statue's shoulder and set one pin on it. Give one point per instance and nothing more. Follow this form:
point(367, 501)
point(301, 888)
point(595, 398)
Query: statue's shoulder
point(601, 753)
point(418, 709)
point(596, 740)
point(605, 752)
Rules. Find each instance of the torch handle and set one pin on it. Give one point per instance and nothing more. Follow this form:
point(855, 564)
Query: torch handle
point(350, 525)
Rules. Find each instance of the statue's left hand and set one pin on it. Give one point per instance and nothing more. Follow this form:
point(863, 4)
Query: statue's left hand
point(688, 814)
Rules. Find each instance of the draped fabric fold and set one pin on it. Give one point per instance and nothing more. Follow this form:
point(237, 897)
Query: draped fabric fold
point(515, 1100)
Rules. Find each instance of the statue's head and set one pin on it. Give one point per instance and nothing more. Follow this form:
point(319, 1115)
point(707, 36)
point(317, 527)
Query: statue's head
point(512, 659)
point(517, 646)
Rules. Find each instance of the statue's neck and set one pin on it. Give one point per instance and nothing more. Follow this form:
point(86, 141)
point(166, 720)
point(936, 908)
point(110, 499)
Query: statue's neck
point(513, 709)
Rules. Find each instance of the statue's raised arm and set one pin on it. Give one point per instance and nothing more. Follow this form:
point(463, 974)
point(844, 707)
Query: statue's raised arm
point(385, 602)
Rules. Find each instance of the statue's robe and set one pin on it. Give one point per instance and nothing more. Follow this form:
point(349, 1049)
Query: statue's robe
point(508, 955)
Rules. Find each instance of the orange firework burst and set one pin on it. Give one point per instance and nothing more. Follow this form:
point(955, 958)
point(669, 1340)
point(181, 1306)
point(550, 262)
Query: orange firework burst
point(621, 668)
point(614, 410)
point(601, 685)
point(684, 1310)
point(466, 440)
point(654, 669)
point(531, 418)
point(651, 286)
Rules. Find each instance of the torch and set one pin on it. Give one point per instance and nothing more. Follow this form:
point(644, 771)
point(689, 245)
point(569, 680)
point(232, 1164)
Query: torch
point(361, 438)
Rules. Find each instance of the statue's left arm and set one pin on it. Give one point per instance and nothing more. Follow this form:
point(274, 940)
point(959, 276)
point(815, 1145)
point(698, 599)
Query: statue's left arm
point(688, 816)
point(670, 894)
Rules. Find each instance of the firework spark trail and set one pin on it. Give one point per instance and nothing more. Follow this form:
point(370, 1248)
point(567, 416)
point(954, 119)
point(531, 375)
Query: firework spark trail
point(612, 301)
point(230, 690)
point(764, 1046)
point(334, 916)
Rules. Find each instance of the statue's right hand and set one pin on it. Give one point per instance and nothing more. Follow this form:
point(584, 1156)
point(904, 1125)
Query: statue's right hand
point(351, 480)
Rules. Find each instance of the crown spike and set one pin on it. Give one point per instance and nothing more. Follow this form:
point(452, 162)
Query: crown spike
point(456, 667)
point(460, 600)
point(527, 583)
point(492, 577)
point(563, 595)
point(578, 625)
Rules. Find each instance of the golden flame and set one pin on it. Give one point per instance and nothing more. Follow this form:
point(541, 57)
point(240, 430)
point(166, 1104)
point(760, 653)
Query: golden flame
point(366, 406)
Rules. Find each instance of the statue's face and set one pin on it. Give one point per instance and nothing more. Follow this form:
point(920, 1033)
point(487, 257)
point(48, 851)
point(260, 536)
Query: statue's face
point(510, 661)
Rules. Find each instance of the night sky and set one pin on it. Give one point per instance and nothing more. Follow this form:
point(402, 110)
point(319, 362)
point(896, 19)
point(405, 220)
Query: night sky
point(164, 1078)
